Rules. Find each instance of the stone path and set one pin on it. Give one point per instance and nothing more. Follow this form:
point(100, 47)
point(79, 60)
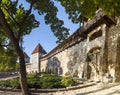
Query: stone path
point(99, 89)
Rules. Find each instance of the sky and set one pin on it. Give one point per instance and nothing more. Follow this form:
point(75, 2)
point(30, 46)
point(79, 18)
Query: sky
point(43, 33)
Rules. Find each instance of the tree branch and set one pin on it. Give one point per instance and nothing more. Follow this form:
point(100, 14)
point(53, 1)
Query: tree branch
point(28, 12)
point(24, 19)
point(7, 29)
point(10, 15)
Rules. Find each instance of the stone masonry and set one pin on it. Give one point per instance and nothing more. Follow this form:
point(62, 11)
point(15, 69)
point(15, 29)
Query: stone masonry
point(90, 53)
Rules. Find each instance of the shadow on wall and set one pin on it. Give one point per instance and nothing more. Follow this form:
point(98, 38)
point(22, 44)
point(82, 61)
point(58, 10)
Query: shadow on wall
point(54, 66)
point(72, 63)
point(76, 61)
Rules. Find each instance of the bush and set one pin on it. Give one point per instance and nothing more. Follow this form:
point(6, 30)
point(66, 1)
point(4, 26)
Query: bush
point(68, 81)
point(31, 76)
point(13, 83)
point(49, 75)
point(51, 82)
point(4, 83)
point(47, 81)
point(34, 83)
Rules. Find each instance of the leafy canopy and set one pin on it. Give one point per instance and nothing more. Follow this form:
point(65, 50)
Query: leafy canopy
point(22, 21)
point(87, 8)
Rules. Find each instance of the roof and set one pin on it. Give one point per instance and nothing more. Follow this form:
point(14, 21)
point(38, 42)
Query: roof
point(25, 55)
point(39, 49)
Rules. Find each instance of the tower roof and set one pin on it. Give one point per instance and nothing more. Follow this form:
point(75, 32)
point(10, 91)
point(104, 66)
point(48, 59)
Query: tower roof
point(25, 55)
point(39, 49)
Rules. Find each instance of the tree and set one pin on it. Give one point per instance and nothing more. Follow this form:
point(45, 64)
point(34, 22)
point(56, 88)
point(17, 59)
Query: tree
point(16, 21)
point(87, 8)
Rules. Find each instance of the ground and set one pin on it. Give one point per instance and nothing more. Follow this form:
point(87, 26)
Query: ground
point(99, 89)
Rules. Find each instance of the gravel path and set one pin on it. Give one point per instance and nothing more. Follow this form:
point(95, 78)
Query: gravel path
point(99, 89)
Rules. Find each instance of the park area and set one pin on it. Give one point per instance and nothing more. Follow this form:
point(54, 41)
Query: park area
point(47, 84)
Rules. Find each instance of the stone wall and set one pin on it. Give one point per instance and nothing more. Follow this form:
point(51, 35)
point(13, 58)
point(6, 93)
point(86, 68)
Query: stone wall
point(72, 61)
point(88, 53)
point(113, 50)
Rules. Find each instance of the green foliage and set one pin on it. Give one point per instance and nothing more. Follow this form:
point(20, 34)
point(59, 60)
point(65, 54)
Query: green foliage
point(48, 75)
point(33, 82)
point(13, 83)
point(30, 76)
point(68, 81)
point(22, 21)
point(47, 81)
point(16, 22)
point(17, 67)
point(51, 82)
point(8, 59)
point(47, 8)
point(4, 83)
point(87, 8)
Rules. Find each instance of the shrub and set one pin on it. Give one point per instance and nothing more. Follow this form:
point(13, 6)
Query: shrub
point(34, 83)
point(13, 83)
point(45, 82)
point(31, 76)
point(51, 82)
point(68, 81)
point(4, 83)
point(48, 75)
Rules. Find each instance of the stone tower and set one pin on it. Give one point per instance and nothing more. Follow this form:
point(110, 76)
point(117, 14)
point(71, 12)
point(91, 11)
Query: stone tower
point(37, 53)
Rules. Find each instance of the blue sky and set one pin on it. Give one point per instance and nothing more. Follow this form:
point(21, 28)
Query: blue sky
point(43, 33)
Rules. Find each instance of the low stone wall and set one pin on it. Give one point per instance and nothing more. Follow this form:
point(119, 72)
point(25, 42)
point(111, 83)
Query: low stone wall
point(50, 90)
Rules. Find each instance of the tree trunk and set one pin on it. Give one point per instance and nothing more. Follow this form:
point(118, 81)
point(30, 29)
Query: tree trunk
point(23, 80)
point(18, 50)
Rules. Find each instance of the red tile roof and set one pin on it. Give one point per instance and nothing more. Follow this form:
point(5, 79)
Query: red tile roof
point(40, 49)
point(25, 55)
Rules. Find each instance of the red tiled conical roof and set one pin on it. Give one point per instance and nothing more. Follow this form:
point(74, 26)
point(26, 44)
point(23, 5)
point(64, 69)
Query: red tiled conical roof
point(40, 49)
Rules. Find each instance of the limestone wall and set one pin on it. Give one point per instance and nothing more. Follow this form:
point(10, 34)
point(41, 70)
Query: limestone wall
point(72, 61)
point(85, 53)
point(113, 49)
